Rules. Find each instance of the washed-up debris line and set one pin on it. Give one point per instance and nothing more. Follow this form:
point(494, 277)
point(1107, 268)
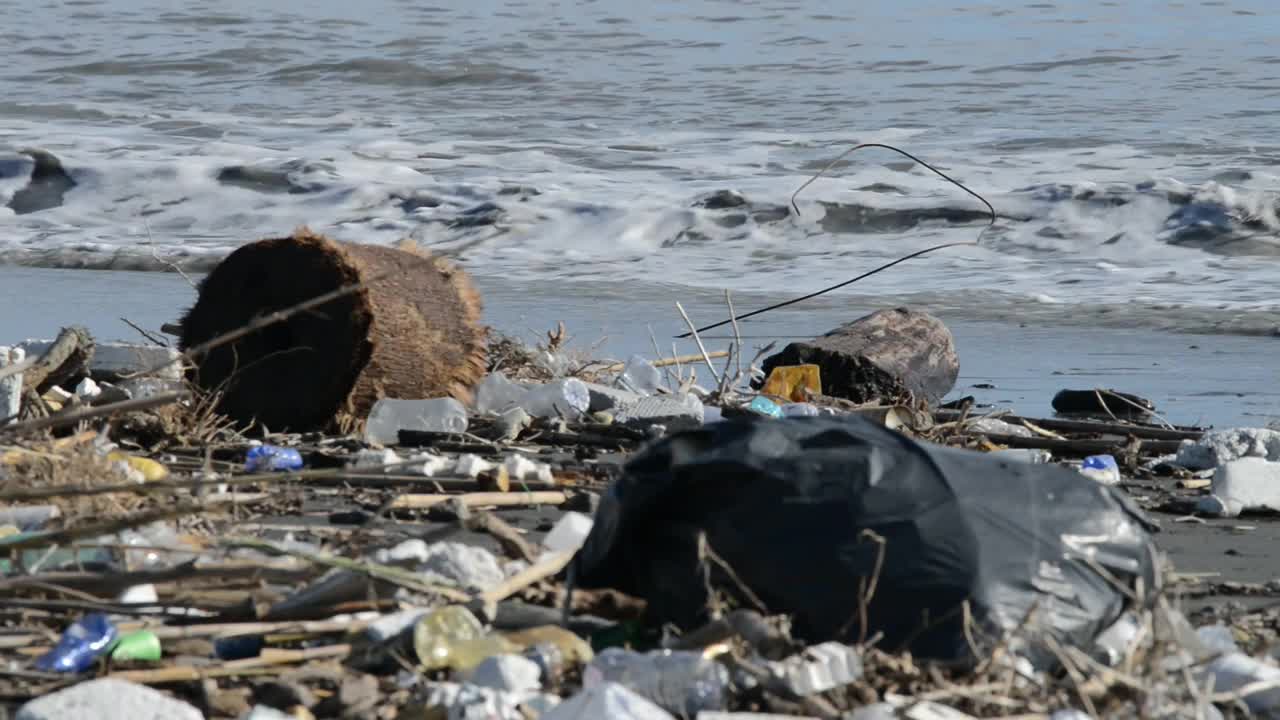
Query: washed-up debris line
point(161, 561)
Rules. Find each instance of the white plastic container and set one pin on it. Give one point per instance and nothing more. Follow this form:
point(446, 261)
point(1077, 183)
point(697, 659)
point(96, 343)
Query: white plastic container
point(640, 376)
point(389, 416)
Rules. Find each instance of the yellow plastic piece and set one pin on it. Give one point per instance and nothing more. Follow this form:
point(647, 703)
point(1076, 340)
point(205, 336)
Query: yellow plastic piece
point(150, 469)
point(790, 382)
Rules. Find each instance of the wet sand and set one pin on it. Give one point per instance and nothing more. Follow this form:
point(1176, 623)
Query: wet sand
point(1207, 380)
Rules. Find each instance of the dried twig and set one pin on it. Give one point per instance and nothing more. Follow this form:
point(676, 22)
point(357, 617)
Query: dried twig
point(701, 348)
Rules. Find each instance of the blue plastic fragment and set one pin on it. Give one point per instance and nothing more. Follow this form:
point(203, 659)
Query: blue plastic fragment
point(271, 458)
point(765, 406)
point(81, 645)
point(1100, 462)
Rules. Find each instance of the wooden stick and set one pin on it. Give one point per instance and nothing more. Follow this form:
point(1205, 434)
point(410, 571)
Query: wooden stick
point(480, 499)
point(73, 345)
point(530, 575)
point(1087, 426)
point(679, 360)
point(75, 416)
point(1083, 447)
point(701, 348)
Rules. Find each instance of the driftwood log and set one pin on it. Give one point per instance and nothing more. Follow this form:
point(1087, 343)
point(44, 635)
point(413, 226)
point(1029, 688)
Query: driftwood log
point(412, 330)
point(884, 356)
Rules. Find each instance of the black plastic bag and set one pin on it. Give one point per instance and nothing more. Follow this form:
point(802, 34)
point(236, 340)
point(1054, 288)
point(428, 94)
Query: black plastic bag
point(786, 505)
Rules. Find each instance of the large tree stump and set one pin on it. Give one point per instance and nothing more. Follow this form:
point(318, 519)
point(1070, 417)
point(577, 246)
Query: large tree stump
point(413, 331)
point(882, 356)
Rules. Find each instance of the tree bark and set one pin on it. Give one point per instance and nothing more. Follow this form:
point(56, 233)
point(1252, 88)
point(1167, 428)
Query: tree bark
point(412, 331)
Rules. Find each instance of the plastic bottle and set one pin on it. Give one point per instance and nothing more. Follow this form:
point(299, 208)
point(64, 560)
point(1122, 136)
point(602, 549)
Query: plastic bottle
point(682, 683)
point(436, 634)
point(567, 398)
point(497, 394)
point(82, 643)
point(640, 376)
point(389, 416)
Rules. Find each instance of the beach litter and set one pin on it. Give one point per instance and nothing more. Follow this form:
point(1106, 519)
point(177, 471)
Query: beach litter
point(581, 538)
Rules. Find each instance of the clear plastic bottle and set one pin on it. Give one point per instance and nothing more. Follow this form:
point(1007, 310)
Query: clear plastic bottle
point(640, 376)
point(568, 398)
point(682, 683)
point(389, 416)
point(497, 394)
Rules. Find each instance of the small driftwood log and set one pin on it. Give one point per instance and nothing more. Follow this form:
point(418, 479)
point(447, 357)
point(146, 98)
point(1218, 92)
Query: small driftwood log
point(66, 359)
point(881, 358)
point(411, 331)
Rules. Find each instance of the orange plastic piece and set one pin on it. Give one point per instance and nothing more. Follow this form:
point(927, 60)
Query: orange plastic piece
point(790, 382)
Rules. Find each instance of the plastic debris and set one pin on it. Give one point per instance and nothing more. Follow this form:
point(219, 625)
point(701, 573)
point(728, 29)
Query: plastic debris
point(671, 411)
point(1219, 447)
point(820, 668)
point(472, 702)
point(996, 426)
point(512, 422)
point(391, 415)
point(371, 459)
point(567, 398)
point(139, 595)
point(1232, 670)
point(571, 648)
point(148, 469)
point(568, 534)
point(451, 637)
point(605, 398)
point(951, 533)
point(142, 645)
point(270, 458)
point(496, 394)
point(681, 682)
point(465, 566)
point(800, 410)
point(640, 376)
point(764, 406)
point(793, 382)
point(81, 645)
point(607, 700)
point(509, 673)
point(1102, 468)
point(1026, 455)
point(521, 469)
point(108, 699)
point(1250, 483)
